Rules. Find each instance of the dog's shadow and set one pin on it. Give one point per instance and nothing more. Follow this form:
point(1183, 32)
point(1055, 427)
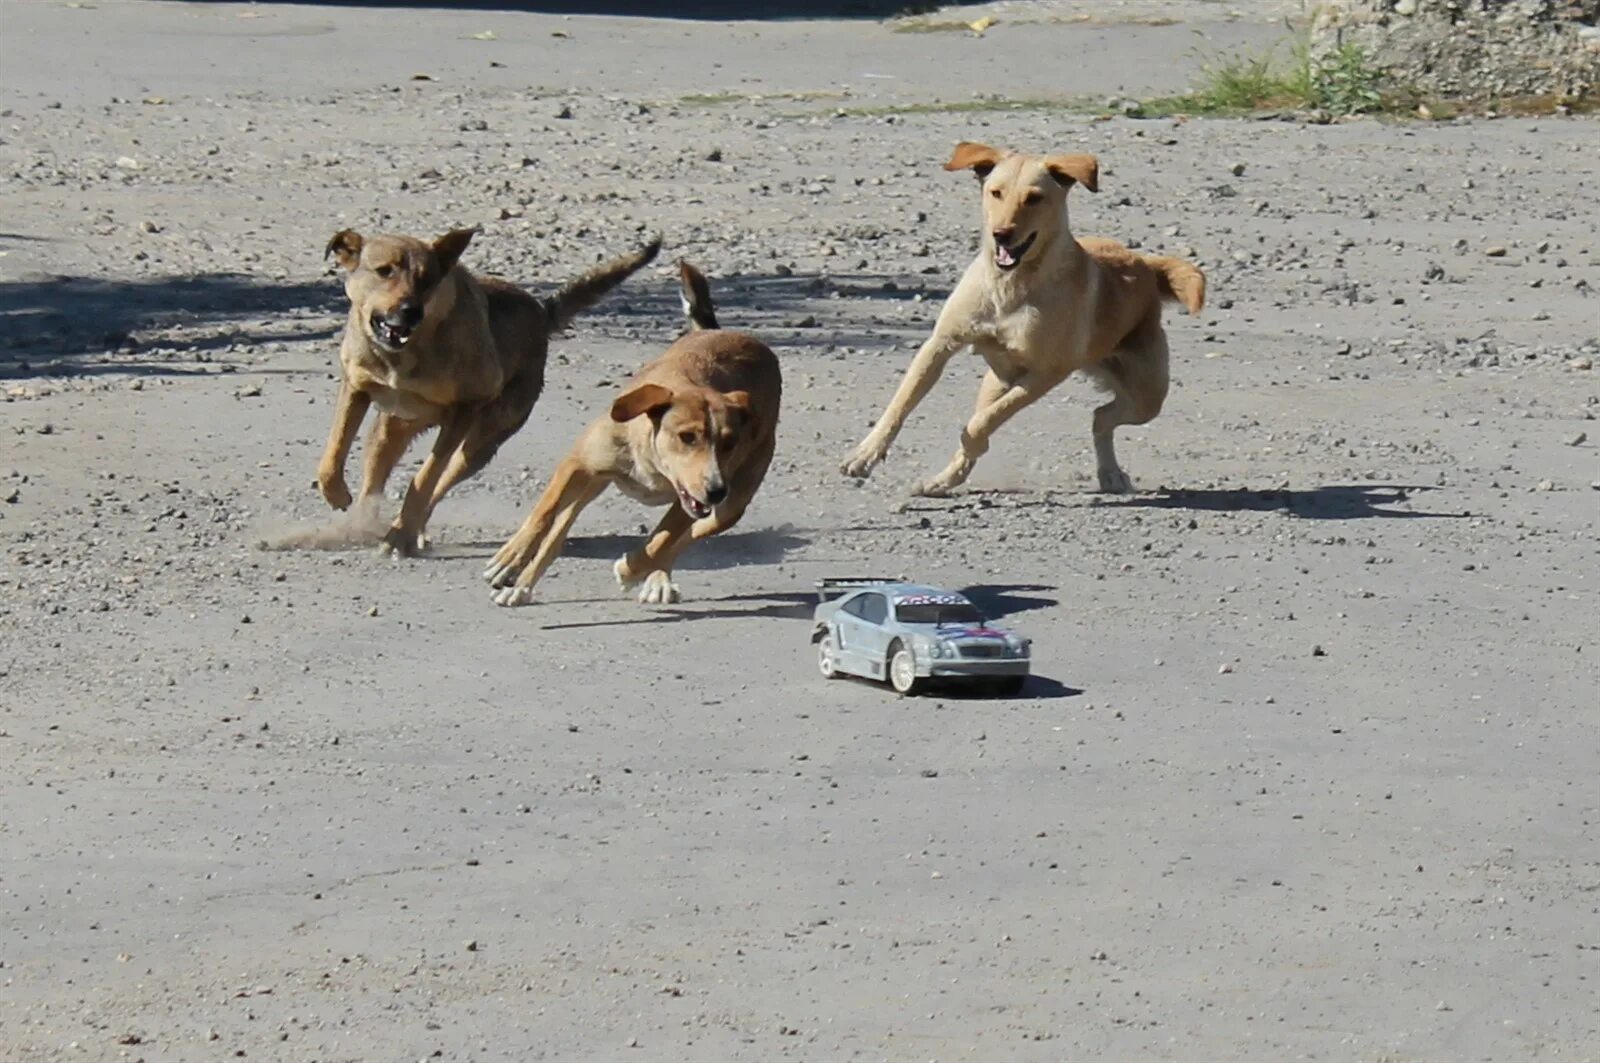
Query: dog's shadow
point(763, 546)
point(1328, 502)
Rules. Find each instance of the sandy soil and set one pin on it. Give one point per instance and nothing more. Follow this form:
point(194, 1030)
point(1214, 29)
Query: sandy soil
point(1308, 770)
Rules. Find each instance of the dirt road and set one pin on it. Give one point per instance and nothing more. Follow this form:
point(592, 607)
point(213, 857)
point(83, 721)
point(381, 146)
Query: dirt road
point(1308, 770)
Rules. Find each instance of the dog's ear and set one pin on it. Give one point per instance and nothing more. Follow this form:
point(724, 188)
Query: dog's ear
point(1084, 169)
point(979, 158)
point(346, 245)
point(646, 398)
point(738, 403)
point(448, 248)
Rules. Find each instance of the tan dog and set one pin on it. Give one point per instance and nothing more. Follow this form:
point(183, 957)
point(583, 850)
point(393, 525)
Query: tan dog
point(432, 345)
point(1038, 305)
point(694, 430)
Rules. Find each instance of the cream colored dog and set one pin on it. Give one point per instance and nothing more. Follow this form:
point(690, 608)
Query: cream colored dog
point(1039, 305)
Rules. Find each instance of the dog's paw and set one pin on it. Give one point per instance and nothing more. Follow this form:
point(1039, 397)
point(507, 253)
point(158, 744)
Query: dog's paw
point(335, 492)
point(511, 597)
point(868, 456)
point(1114, 481)
point(659, 589)
point(938, 487)
point(624, 573)
point(398, 542)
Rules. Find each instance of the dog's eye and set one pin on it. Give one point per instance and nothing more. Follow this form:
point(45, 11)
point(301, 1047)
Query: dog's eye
point(384, 271)
point(995, 192)
point(1032, 197)
point(686, 438)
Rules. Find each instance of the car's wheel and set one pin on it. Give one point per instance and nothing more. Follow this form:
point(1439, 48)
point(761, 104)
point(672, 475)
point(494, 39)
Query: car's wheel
point(827, 662)
point(1010, 686)
point(903, 670)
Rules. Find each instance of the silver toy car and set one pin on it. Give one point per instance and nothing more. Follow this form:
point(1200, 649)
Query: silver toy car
point(908, 634)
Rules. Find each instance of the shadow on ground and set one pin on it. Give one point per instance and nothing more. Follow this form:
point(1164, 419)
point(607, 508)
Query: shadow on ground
point(1330, 502)
point(776, 606)
point(1002, 600)
point(714, 10)
point(766, 546)
point(81, 326)
point(54, 325)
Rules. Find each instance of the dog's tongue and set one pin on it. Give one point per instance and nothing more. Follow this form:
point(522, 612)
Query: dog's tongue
point(1003, 255)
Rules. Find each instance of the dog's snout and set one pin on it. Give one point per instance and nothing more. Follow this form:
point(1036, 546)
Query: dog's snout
point(715, 494)
point(409, 313)
point(1004, 234)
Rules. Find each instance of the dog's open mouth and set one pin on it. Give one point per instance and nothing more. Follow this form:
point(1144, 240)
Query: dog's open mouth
point(389, 334)
point(692, 505)
point(1008, 257)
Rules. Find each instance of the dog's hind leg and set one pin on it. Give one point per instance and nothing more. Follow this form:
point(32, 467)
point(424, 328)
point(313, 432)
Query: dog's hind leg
point(352, 407)
point(997, 404)
point(1136, 374)
point(483, 440)
point(529, 552)
point(404, 537)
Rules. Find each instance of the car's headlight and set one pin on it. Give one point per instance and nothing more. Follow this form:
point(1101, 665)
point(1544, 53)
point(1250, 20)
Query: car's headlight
point(933, 648)
point(1017, 647)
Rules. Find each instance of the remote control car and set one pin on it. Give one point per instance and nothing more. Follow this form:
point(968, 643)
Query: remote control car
point(909, 634)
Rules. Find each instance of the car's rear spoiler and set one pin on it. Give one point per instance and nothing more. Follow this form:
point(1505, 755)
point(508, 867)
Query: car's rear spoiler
point(836, 587)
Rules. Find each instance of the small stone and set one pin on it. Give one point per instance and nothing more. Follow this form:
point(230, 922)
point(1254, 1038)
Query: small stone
point(1224, 668)
point(14, 496)
point(1098, 954)
point(1495, 252)
point(1580, 363)
point(714, 155)
point(1545, 485)
point(471, 945)
point(372, 611)
point(1318, 651)
point(1237, 169)
point(565, 112)
point(128, 162)
point(1578, 440)
point(148, 226)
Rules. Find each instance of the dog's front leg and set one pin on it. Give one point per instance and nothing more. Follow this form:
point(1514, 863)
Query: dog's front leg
point(525, 556)
point(997, 404)
point(404, 537)
point(652, 563)
point(920, 377)
point(351, 408)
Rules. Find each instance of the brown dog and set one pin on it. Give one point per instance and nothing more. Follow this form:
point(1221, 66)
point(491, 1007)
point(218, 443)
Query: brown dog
point(432, 345)
point(695, 430)
point(1038, 305)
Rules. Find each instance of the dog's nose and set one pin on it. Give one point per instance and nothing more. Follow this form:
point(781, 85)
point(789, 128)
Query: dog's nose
point(410, 314)
point(1003, 236)
point(715, 495)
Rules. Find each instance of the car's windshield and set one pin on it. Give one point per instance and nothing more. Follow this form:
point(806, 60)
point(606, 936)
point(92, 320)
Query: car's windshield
point(962, 613)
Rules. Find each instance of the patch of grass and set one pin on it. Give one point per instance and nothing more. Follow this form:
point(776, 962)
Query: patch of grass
point(985, 105)
point(719, 99)
point(1341, 82)
point(929, 25)
point(711, 99)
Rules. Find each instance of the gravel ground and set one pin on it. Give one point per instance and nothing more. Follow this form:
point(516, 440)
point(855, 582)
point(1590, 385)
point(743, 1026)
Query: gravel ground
point(1307, 770)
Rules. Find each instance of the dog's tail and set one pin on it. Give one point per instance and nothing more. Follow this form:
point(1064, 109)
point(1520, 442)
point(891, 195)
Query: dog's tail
point(1180, 280)
point(580, 293)
point(696, 296)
